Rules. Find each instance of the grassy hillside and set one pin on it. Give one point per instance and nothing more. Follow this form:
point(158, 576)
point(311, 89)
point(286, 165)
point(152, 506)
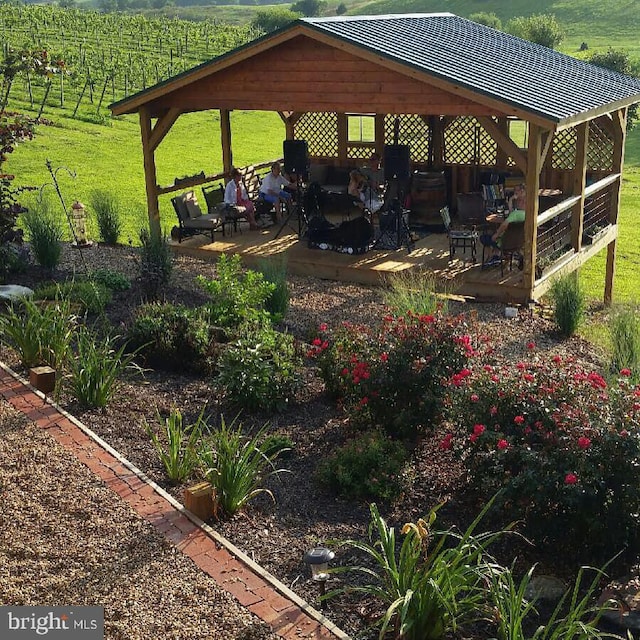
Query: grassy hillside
point(600, 24)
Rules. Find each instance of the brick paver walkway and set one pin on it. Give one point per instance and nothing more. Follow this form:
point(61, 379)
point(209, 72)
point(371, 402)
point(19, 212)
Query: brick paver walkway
point(287, 614)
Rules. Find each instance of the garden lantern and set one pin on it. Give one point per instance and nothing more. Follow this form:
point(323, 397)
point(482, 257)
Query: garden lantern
point(79, 219)
point(318, 559)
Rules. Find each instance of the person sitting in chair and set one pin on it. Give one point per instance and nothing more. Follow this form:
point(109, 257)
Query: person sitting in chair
point(374, 172)
point(364, 196)
point(516, 206)
point(235, 195)
point(273, 186)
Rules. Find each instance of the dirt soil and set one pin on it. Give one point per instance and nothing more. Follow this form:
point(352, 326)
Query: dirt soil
point(277, 534)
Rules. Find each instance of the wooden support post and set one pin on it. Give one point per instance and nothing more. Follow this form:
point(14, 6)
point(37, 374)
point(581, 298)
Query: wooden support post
point(225, 139)
point(619, 121)
point(579, 182)
point(501, 155)
point(342, 138)
point(534, 165)
point(150, 177)
point(379, 134)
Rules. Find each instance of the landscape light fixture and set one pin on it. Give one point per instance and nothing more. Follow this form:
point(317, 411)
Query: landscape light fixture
point(318, 559)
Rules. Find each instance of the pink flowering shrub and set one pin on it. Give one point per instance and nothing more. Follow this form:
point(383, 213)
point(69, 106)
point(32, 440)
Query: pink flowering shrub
point(561, 442)
point(393, 377)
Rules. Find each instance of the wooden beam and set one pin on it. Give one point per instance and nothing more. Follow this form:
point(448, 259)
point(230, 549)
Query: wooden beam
point(150, 176)
point(619, 122)
point(501, 155)
point(547, 139)
point(531, 212)
point(504, 142)
point(163, 126)
point(289, 118)
point(225, 140)
point(579, 184)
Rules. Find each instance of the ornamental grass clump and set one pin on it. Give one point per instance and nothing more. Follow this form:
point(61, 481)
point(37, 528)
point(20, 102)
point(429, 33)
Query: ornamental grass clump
point(561, 442)
point(178, 446)
point(625, 341)
point(430, 584)
point(237, 465)
point(568, 303)
point(393, 377)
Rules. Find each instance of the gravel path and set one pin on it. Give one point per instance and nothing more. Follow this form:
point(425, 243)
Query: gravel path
point(66, 539)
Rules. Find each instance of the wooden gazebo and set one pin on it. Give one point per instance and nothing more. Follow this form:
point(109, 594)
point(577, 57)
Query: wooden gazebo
point(467, 99)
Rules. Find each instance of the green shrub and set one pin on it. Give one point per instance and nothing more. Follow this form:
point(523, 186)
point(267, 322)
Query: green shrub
point(40, 334)
point(178, 449)
point(487, 19)
point(91, 296)
point(276, 444)
point(14, 258)
point(393, 377)
point(44, 233)
point(237, 296)
point(541, 28)
point(260, 370)
point(236, 466)
point(561, 444)
point(156, 263)
point(105, 205)
point(275, 272)
point(568, 303)
point(174, 337)
point(95, 371)
point(430, 584)
point(111, 279)
point(271, 19)
point(369, 466)
point(413, 292)
point(625, 340)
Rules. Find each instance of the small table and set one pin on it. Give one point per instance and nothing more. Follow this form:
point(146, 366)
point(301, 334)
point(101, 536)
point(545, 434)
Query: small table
point(463, 239)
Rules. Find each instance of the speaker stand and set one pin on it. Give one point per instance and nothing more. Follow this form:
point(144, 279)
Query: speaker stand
point(397, 232)
point(297, 209)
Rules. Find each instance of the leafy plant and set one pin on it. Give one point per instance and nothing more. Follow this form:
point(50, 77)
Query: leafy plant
point(561, 443)
point(237, 296)
point(156, 263)
point(107, 211)
point(275, 272)
point(277, 444)
point(40, 334)
point(369, 466)
point(624, 327)
point(260, 370)
point(541, 28)
point(174, 337)
point(413, 292)
point(430, 585)
point(91, 296)
point(111, 279)
point(178, 450)
point(94, 372)
point(44, 233)
point(568, 303)
point(14, 258)
point(237, 465)
point(575, 615)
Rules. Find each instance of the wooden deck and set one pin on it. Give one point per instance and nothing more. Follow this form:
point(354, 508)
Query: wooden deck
point(462, 277)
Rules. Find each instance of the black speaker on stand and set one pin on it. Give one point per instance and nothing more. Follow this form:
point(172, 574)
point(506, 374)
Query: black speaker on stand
point(296, 157)
point(296, 162)
point(397, 163)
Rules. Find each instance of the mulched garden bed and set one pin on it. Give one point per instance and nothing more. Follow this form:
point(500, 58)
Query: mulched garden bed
point(304, 515)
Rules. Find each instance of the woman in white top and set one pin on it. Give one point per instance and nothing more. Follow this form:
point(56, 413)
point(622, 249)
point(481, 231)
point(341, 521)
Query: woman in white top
point(235, 195)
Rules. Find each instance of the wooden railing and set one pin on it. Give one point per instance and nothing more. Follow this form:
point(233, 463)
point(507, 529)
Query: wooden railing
point(186, 183)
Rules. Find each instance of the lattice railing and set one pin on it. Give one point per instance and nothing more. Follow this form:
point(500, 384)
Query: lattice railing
point(413, 131)
point(597, 209)
point(320, 130)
